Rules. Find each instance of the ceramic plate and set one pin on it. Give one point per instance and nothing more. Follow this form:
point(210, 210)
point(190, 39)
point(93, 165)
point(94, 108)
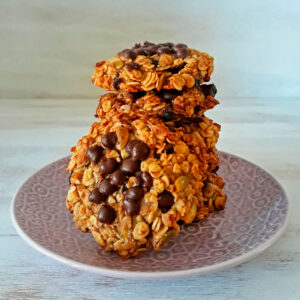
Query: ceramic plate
point(256, 214)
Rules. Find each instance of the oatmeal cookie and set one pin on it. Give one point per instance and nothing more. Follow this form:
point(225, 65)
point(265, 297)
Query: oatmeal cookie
point(154, 66)
point(166, 104)
point(135, 179)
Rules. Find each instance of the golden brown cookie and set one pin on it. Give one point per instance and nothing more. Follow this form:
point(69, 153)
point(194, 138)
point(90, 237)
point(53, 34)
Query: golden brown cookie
point(166, 104)
point(154, 66)
point(134, 178)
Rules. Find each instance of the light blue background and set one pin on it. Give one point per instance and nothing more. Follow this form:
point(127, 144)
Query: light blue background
point(48, 48)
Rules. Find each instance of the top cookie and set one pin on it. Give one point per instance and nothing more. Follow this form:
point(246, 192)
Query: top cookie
point(153, 66)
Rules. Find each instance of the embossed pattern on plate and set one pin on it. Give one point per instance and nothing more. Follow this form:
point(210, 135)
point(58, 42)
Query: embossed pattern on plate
point(255, 215)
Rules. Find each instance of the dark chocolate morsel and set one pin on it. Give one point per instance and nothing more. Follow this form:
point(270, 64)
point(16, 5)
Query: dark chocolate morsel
point(209, 89)
point(134, 193)
point(169, 149)
point(139, 51)
point(147, 44)
point(156, 155)
point(177, 69)
point(132, 208)
point(151, 50)
point(96, 197)
point(130, 146)
point(107, 166)
point(106, 188)
point(94, 154)
point(140, 151)
point(167, 115)
point(129, 165)
point(170, 94)
point(127, 53)
point(106, 214)
point(182, 52)
point(136, 45)
point(170, 45)
point(147, 180)
point(117, 178)
point(163, 50)
point(132, 66)
point(117, 82)
point(138, 180)
point(109, 140)
point(179, 46)
point(165, 199)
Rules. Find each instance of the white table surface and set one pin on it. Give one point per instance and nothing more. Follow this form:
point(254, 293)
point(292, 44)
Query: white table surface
point(36, 132)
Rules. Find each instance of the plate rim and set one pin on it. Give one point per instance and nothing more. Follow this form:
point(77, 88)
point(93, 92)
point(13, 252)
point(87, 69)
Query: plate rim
point(153, 275)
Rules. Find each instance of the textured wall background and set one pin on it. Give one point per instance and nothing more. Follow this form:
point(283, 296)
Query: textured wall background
point(48, 48)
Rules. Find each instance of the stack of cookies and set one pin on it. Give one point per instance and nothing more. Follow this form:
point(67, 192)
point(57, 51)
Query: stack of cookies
point(148, 165)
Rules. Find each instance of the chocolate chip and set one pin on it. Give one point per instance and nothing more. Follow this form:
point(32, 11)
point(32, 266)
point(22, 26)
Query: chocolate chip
point(140, 151)
point(167, 115)
point(137, 95)
point(132, 66)
point(132, 208)
point(165, 199)
point(134, 193)
point(169, 149)
point(179, 46)
point(170, 45)
point(127, 53)
point(96, 197)
point(215, 170)
point(116, 82)
point(147, 44)
point(170, 94)
point(182, 52)
point(177, 69)
point(107, 166)
point(106, 214)
point(136, 45)
point(109, 140)
point(156, 155)
point(209, 89)
point(183, 121)
point(151, 50)
point(139, 51)
point(130, 166)
point(163, 50)
point(106, 188)
point(147, 179)
point(94, 154)
point(117, 178)
point(138, 180)
point(130, 146)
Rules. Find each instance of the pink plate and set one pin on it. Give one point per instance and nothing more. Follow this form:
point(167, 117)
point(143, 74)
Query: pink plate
point(256, 215)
